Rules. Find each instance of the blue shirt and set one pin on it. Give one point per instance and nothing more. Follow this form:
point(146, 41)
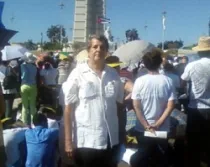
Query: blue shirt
point(41, 145)
point(28, 74)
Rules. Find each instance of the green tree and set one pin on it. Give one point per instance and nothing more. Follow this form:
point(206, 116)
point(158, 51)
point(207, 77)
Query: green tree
point(78, 46)
point(171, 44)
point(30, 45)
point(190, 46)
point(52, 46)
point(54, 33)
point(131, 35)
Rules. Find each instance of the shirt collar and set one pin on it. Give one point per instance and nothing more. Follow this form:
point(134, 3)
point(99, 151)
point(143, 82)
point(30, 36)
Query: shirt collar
point(39, 127)
point(88, 69)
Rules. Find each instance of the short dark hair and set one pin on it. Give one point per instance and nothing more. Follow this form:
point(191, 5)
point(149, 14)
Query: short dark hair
point(101, 38)
point(112, 59)
point(48, 112)
point(10, 124)
point(153, 59)
point(169, 67)
point(186, 58)
point(39, 119)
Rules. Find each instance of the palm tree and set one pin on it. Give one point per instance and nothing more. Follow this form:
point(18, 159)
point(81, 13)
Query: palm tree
point(131, 35)
point(53, 33)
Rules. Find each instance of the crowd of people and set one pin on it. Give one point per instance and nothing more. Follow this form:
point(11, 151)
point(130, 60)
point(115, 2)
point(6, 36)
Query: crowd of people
point(76, 114)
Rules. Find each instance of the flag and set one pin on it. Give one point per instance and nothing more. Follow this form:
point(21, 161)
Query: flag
point(103, 20)
point(164, 21)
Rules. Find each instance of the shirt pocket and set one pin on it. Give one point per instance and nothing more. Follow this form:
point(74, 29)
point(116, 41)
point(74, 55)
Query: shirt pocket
point(88, 90)
point(110, 89)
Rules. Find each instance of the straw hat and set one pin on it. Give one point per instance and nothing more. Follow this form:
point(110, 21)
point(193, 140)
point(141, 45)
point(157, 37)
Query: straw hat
point(203, 44)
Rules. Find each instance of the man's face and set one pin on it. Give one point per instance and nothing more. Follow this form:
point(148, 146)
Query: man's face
point(97, 51)
point(164, 61)
point(184, 60)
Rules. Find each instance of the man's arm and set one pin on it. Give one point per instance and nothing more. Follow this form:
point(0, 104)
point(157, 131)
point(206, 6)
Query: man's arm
point(70, 89)
point(165, 115)
point(128, 88)
point(140, 116)
point(68, 130)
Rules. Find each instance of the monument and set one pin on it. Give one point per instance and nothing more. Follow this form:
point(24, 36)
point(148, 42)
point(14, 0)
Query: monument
point(86, 15)
point(108, 35)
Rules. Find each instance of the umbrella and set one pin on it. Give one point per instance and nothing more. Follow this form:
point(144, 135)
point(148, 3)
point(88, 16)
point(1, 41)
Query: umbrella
point(13, 52)
point(5, 36)
point(132, 52)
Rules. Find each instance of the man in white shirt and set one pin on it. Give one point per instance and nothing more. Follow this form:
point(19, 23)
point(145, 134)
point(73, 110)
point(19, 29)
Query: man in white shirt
point(198, 122)
point(153, 100)
point(2, 149)
point(91, 95)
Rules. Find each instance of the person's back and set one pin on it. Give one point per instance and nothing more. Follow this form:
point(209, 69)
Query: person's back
point(198, 73)
point(28, 74)
point(49, 74)
point(63, 71)
point(13, 138)
point(175, 79)
point(41, 143)
point(155, 92)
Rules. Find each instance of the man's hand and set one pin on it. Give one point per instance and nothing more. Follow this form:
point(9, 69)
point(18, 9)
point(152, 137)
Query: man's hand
point(155, 126)
point(69, 148)
point(151, 129)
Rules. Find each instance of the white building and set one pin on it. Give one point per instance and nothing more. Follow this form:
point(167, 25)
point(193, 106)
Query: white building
point(85, 19)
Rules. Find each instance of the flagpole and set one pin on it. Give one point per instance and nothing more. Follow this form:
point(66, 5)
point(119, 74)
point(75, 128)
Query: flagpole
point(163, 39)
point(97, 24)
point(164, 28)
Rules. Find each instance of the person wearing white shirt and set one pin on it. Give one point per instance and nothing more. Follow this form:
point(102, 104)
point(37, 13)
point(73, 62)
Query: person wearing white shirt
point(94, 90)
point(14, 137)
point(153, 100)
point(198, 111)
point(49, 75)
point(48, 91)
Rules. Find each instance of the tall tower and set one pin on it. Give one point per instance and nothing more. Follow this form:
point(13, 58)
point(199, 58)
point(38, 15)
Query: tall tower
point(85, 19)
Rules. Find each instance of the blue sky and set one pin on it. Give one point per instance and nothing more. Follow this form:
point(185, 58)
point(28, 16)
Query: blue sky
point(186, 19)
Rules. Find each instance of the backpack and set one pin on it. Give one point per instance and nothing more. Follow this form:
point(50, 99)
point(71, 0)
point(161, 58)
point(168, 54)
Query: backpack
point(11, 80)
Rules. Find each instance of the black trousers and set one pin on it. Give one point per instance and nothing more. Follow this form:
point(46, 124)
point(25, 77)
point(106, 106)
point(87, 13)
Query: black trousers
point(3, 157)
point(87, 157)
point(150, 150)
point(198, 136)
point(9, 99)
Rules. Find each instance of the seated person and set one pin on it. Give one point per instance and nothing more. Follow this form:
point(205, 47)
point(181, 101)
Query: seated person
point(41, 143)
point(14, 142)
point(50, 113)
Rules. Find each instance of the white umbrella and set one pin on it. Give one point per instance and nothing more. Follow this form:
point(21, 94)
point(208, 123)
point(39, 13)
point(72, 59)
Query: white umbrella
point(132, 52)
point(13, 52)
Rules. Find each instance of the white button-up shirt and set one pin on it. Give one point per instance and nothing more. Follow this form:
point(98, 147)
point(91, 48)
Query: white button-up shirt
point(198, 73)
point(96, 105)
